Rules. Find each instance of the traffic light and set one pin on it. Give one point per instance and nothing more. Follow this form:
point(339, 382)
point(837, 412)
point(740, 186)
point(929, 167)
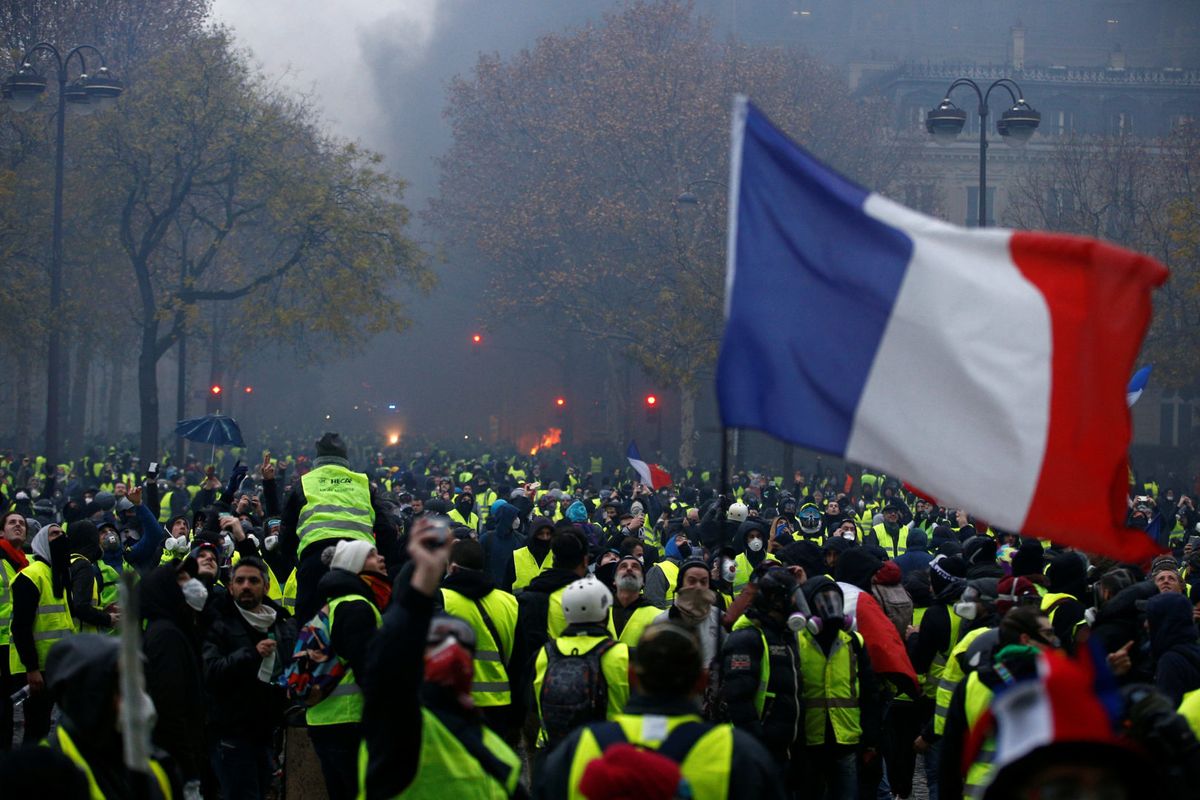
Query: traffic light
point(249, 390)
point(477, 338)
point(560, 401)
point(651, 408)
point(214, 398)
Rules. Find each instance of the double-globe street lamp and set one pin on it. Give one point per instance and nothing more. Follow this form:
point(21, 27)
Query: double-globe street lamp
point(85, 94)
point(1016, 124)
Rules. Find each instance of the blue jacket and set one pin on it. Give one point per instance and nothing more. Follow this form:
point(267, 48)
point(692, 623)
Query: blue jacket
point(500, 542)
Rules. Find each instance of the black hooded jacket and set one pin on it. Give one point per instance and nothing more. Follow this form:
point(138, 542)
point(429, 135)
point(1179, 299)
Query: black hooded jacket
point(1173, 642)
point(171, 642)
point(240, 705)
point(533, 610)
point(354, 624)
point(85, 575)
point(779, 726)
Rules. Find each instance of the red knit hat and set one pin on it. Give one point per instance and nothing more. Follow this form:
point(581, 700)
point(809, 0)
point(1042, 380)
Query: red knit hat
point(626, 772)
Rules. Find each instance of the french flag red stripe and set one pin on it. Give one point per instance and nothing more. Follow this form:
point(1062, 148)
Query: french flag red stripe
point(1099, 309)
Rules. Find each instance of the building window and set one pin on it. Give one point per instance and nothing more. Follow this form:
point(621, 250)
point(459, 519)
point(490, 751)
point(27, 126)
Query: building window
point(1060, 208)
point(1121, 123)
point(973, 206)
point(1061, 123)
point(1181, 121)
point(1175, 422)
point(921, 197)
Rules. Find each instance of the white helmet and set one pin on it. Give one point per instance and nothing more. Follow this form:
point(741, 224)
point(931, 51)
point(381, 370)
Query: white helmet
point(737, 512)
point(586, 600)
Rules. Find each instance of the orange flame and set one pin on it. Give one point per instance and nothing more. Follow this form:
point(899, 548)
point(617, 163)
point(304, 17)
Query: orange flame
point(551, 437)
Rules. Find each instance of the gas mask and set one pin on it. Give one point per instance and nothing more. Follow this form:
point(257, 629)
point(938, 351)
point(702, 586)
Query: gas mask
point(270, 543)
point(728, 570)
point(798, 619)
point(516, 524)
point(967, 606)
point(110, 542)
point(226, 547)
point(177, 545)
point(828, 612)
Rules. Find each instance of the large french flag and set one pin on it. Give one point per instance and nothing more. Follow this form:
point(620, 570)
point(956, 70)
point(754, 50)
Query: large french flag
point(988, 367)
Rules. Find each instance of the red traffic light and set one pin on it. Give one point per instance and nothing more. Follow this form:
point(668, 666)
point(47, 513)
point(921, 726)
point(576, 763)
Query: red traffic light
point(477, 338)
point(651, 400)
point(249, 390)
point(560, 401)
point(215, 389)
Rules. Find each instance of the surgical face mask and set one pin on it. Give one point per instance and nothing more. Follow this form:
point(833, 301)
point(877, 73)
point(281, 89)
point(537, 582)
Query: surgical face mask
point(754, 544)
point(849, 534)
point(270, 543)
point(111, 543)
point(516, 524)
point(194, 594)
point(728, 570)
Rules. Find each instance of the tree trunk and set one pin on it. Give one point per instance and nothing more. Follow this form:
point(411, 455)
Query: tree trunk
point(77, 408)
point(181, 399)
point(687, 425)
point(115, 386)
point(148, 393)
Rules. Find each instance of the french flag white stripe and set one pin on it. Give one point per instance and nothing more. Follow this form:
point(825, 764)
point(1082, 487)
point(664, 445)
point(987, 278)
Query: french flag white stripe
point(959, 391)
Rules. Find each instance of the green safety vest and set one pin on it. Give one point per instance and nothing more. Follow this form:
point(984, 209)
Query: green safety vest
point(289, 594)
point(110, 585)
point(671, 570)
point(337, 506)
point(471, 520)
point(527, 568)
point(345, 702)
point(489, 683)
point(7, 573)
point(937, 667)
point(164, 508)
point(708, 766)
point(976, 700)
point(596, 465)
point(446, 767)
point(1189, 709)
point(614, 664)
point(831, 688)
point(67, 747)
point(638, 621)
point(952, 675)
point(52, 621)
point(894, 548)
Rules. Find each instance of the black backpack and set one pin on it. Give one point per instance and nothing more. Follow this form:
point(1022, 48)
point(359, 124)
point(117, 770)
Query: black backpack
point(574, 691)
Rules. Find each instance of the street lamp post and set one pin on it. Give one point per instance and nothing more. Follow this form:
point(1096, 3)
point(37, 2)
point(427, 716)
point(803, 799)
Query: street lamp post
point(1016, 125)
point(86, 94)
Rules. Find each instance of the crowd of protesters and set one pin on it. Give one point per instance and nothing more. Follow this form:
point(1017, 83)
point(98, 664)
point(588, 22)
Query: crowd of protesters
point(483, 624)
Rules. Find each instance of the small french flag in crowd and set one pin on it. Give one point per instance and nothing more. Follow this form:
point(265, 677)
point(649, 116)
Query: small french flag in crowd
point(1137, 385)
point(652, 475)
point(987, 367)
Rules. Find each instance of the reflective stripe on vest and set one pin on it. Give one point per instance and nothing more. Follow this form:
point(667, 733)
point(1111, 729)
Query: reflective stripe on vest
point(952, 675)
point(938, 666)
point(637, 622)
point(975, 701)
point(764, 678)
point(345, 702)
point(708, 766)
point(52, 620)
point(7, 573)
point(830, 689)
point(337, 506)
point(489, 682)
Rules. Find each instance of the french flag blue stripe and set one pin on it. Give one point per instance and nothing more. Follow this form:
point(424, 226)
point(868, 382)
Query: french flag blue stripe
point(822, 270)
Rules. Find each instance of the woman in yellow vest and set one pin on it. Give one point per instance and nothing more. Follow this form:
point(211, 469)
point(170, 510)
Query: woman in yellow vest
point(356, 589)
point(41, 616)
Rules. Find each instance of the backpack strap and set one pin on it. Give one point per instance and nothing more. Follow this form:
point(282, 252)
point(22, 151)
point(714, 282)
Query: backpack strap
point(491, 626)
point(682, 739)
point(607, 734)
